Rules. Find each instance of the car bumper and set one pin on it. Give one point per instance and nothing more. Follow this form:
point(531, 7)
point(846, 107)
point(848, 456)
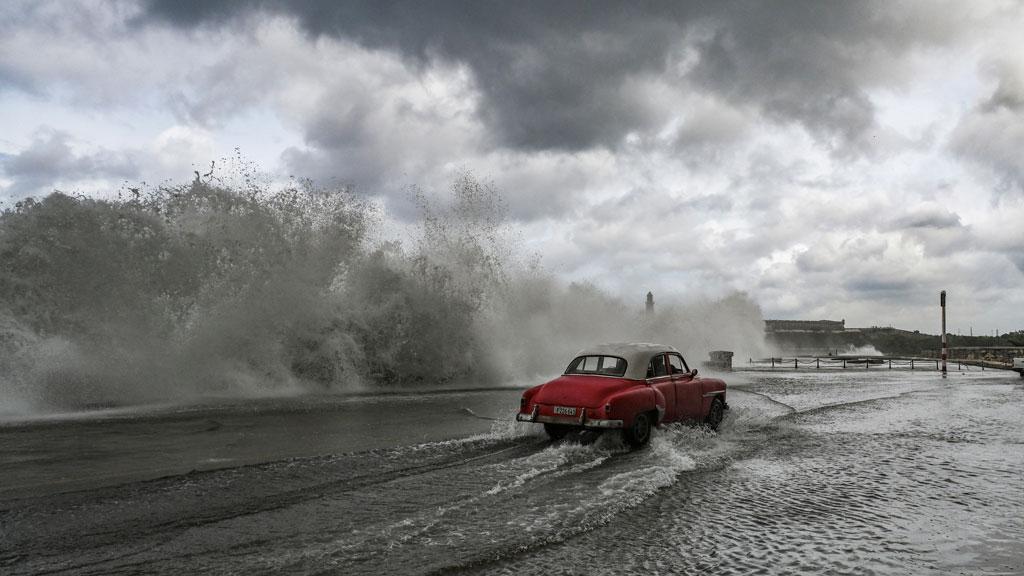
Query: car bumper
point(594, 423)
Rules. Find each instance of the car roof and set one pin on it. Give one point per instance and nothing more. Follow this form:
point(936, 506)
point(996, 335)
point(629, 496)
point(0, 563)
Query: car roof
point(636, 354)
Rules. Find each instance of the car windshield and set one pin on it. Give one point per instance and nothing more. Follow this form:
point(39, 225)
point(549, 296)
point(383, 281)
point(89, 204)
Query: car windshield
point(600, 365)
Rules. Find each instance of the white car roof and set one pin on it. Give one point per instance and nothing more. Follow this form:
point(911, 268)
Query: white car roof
point(636, 354)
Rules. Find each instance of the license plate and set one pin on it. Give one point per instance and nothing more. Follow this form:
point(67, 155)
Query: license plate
point(565, 411)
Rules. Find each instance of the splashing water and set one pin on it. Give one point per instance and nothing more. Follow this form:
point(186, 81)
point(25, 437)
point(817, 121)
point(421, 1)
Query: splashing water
point(186, 292)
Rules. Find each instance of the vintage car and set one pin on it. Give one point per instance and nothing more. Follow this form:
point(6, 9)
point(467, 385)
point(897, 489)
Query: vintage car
point(632, 387)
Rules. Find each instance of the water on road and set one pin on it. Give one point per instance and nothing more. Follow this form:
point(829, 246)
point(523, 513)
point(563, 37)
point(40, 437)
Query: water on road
point(811, 473)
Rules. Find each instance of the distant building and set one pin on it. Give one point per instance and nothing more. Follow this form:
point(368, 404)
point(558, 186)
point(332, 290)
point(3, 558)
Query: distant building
point(649, 309)
point(818, 326)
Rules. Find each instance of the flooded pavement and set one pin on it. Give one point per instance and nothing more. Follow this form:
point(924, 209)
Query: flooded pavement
point(812, 473)
point(87, 450)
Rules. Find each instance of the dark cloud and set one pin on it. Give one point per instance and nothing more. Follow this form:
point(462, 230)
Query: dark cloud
point(930, 217)
point(555, 75)
point(1008, 95)
point(1017, 258)
point(50, 159)
point(17, 80)
point(814, 62)
point(570, 75)
point(341, 142)
point(710, 132)
point(861, 252)
point(881, 286)
point(360, 168)
point(992, 134)
point(815, 93)
point(224, 88)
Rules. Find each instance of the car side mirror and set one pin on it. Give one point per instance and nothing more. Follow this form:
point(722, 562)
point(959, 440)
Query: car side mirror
point(693, 373)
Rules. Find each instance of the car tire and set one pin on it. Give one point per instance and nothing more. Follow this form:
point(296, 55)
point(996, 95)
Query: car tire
point(556, 431)
point(639, 433)
point(715, 414)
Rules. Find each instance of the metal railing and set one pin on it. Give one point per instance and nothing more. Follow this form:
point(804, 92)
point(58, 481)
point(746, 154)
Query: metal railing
point(856, 363)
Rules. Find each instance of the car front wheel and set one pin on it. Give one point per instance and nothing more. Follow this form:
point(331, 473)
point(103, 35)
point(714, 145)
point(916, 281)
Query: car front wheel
point(640, 432)
point(715, 414)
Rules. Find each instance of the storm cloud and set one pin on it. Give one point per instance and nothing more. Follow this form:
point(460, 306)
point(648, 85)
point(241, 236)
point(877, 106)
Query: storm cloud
point(842, 159)
point(50, 160)
point(992, 133)
point(573, 75)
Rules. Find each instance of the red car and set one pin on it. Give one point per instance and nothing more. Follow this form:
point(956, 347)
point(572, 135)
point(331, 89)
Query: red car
point(631, 387)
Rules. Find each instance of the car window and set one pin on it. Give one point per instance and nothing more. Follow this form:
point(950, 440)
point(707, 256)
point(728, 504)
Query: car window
point(601, 365)
point(675, 364)
point(657, 367)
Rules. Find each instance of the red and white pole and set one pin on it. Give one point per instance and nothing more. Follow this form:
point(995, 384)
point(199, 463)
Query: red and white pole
point(945, 343)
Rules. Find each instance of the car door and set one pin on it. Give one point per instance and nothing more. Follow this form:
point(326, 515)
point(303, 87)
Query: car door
point(658, 377)
point(687, 388)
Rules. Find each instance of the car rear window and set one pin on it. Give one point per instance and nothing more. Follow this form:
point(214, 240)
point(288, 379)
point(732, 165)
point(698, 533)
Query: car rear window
point(600, 365)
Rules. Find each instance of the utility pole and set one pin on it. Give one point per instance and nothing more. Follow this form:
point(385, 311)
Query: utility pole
point(945, 344)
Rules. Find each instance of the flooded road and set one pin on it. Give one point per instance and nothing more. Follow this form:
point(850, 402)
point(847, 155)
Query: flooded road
point(812, 473)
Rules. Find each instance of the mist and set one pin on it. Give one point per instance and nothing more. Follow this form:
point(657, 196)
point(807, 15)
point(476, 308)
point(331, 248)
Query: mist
point(181, 293)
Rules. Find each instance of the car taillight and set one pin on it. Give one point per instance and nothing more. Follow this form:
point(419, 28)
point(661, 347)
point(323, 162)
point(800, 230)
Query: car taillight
point(522, 404)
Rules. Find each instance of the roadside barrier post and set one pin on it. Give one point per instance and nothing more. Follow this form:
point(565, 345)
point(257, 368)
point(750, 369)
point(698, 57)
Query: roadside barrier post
point(945, 342)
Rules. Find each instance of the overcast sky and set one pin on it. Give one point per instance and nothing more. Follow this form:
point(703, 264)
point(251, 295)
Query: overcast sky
point(832, 159)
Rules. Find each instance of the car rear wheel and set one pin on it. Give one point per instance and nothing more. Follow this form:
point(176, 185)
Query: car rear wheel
point(640, 432)
point(715, 414)
point(556, 431)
